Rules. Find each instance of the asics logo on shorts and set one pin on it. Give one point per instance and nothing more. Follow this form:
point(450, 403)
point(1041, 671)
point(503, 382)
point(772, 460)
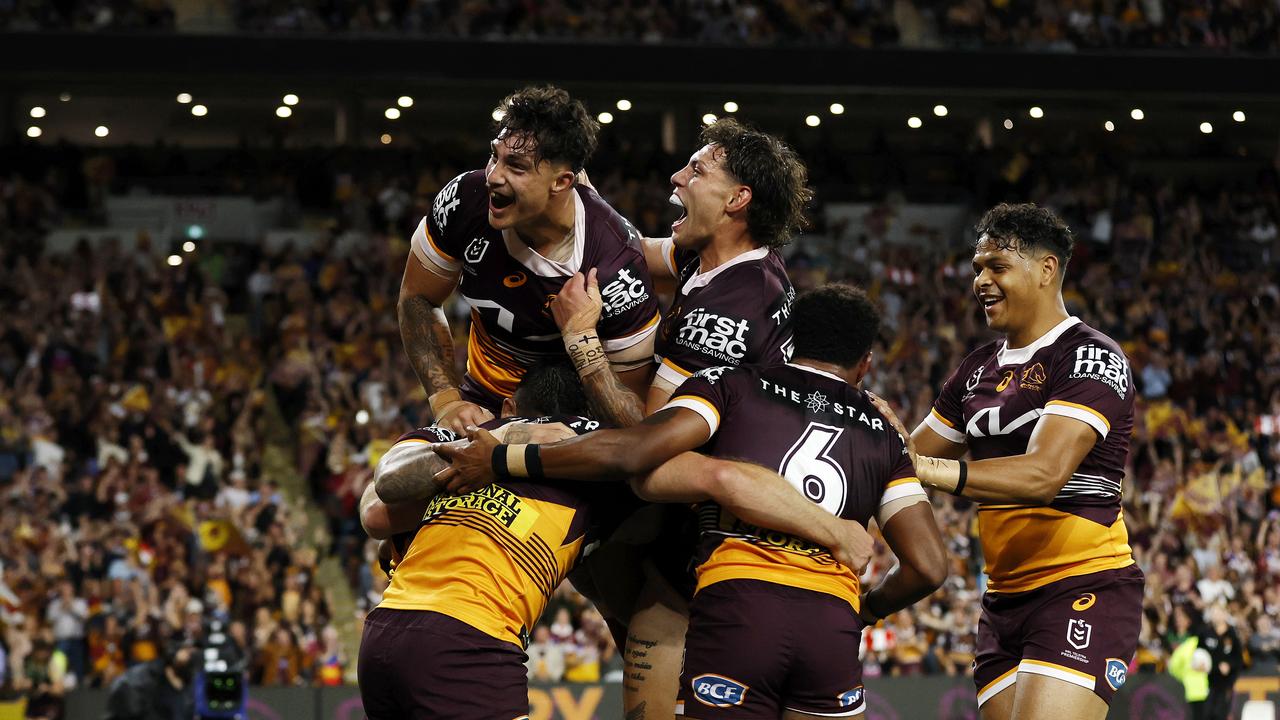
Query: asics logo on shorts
point(718, 690)
point(1085, 602)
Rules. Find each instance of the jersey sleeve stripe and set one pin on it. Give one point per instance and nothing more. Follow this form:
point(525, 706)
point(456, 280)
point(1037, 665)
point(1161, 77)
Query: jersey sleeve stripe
point(1059, 672)
point(1086, 415)
point(669, 255)
point(672, 372)
point(899, 489)
point(704, 409)
point(939, 424)
point(429, 253)
point(934, 412)
point(622, 343)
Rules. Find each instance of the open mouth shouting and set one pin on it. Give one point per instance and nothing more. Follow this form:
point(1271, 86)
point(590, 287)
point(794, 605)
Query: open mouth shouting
point(675, 200)
point(499, 201)
point(991, 302)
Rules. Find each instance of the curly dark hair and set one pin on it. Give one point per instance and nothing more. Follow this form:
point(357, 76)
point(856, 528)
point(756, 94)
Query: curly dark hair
point(1025, 227)
point(559, 127)
point(835, 323)
point(777, 177)
point(551, 388)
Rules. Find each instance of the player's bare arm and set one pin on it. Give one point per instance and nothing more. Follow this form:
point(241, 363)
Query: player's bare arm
point(405, 472)
point(604, 455)
point(1057, 447)
point(381, 520)
point(759, 496)
point(428, 342)
point(615, 397)
point(913, 536)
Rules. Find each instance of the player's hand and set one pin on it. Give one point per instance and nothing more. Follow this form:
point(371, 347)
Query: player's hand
point(894, 422)
point(577, 306)
point(460, 414)
point(853, 546)
point(470, 462)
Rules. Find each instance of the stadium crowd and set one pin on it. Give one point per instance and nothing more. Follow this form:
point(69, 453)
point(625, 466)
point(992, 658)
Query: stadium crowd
point(138, 402)
point(1214, 25)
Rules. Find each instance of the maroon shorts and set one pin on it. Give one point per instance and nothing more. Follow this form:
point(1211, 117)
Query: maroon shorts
point(755, 648)
point(1082, 630)
point(416, 665)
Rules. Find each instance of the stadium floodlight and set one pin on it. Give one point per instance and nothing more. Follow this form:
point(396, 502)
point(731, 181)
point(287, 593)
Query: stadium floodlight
point(34, 131)
point(290, 99)
point(605, 118)
point(101, 131)
point(813, 121)
point(188, 246)
point(184, 98)
point(195, 232)
point(1036, 112)
point(404, 101)
point(1206, 128)
point(1109, 126)
point(1137, 114)
point(284, 111)
point(199, 110)
point(497, 115)
point(836, 109)
point(730, 106)
point(708, 118)
point(624, 104)
point(362, 417)
point(914, 122)
point(385, 139)
point(65, 97)
point(392, 113)
point(175, 260)
point(940, 110)
point(1008, 123)
point(37, 112)
point(1238, 116)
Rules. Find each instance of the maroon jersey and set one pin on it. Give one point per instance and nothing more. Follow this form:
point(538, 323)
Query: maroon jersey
point(817, 431)
point(993, 403)
point(509, 286)
point(736, 314)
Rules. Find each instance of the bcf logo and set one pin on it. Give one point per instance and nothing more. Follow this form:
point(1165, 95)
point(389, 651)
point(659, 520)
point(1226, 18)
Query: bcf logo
point(851, 698)
point(718, 691)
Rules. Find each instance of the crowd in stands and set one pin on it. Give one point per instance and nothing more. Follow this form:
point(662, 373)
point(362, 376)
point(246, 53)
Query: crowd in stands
point(1251, 26)
point(138, 403)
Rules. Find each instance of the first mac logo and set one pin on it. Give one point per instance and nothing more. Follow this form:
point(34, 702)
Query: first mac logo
point(718, 690)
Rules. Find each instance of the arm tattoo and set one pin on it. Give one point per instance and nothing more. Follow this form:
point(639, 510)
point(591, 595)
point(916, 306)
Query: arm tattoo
point(410, 478)
point(612, 402)
point(636, 713)
point(428, 343)
point(517, 435)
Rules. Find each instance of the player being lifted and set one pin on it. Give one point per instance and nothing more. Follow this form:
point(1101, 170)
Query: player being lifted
point(476, 570)
point(775, 625)
point(1045, 415)
point(507, 237)
point(744, 194)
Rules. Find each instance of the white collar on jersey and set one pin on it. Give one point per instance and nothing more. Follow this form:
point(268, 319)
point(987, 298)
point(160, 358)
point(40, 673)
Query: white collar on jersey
point(539, 265)
point(1017, 356)
point(816, 371)
point(700, 279)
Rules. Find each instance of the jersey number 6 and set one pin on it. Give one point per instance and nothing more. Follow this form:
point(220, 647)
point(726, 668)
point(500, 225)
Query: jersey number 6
point(808, 467)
